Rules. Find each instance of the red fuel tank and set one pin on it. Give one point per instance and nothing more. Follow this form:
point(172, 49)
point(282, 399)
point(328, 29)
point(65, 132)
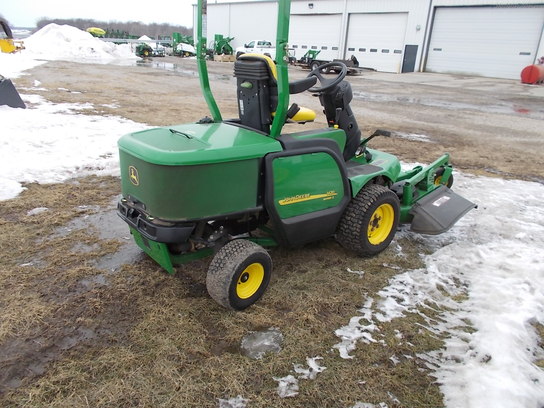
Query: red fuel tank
point(532, 74)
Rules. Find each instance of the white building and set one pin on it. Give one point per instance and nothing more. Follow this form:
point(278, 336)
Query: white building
point(474, 37)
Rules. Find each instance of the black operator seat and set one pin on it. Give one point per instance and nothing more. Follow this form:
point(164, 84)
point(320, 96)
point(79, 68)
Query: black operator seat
point(335, 102)
point(257, 92)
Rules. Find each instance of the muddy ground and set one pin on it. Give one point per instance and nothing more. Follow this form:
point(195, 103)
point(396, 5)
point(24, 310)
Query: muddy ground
point(87, 320)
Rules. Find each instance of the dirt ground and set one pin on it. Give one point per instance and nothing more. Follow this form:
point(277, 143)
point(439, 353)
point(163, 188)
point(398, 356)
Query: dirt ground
point(87, 320)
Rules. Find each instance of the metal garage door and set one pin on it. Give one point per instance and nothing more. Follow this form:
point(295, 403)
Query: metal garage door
point(488, 41)
point(316, 31)
point(377, 40)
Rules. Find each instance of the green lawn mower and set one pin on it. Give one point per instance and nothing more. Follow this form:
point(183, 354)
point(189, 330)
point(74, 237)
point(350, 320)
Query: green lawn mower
point(229, 188)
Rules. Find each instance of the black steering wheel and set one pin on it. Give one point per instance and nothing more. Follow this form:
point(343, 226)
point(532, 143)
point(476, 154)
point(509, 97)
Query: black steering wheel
point(327, 84)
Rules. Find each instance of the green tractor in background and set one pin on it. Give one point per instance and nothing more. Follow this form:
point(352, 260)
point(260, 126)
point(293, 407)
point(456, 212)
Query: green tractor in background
point(144, 50)
point(229, 188)
point(221, 45)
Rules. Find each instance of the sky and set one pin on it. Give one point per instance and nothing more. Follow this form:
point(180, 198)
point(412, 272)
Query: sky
point(25, 13)
point(488, 270)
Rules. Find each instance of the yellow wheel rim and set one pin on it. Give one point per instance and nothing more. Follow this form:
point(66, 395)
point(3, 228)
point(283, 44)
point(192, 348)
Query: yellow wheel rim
point(438, 181)
point(250, 281)
point(380, 224)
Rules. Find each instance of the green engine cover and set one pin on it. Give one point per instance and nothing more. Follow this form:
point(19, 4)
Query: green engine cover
point(193, 171)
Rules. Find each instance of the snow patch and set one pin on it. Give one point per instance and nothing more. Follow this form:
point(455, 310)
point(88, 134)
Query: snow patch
point(237, 402)
point(288, 385)
point(482, 275)
point(311, 372)
point(51, 143)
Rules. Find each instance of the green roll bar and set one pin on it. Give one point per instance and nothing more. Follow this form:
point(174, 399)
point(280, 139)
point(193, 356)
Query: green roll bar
point(201, 62)
point(282, 39)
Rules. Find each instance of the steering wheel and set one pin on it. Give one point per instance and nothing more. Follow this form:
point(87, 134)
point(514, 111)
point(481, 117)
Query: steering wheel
point(327, 84)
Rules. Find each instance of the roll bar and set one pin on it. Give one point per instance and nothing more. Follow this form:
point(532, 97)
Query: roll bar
point(282, 39)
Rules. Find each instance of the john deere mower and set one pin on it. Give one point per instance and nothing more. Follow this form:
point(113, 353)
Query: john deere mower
point(230, 188)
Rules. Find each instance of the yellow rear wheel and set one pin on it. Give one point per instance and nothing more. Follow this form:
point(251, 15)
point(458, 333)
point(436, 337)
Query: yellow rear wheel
point(239, 274)
point(250, 280)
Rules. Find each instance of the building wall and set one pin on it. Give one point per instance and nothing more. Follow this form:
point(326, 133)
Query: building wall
point(247, 20)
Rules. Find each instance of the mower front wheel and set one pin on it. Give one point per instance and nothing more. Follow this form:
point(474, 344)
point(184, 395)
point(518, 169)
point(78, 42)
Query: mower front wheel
point(239, 274)
point(370, 221)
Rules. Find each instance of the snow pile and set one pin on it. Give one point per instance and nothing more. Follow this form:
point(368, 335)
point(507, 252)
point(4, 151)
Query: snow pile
point(52, 143)
point(147, 40)
point(64, 42)
point(488, 273)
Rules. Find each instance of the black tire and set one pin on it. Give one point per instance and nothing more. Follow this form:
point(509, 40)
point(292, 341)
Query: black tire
point(314, 65)
point(370, 221)
point(239, 274)
point(438, 178)
point(238, 54)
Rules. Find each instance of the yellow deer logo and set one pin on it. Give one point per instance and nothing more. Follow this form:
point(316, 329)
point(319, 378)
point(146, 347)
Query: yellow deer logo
point(133, 175)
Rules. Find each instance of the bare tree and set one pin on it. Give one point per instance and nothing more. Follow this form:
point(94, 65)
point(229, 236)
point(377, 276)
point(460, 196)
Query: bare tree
point(130, 28)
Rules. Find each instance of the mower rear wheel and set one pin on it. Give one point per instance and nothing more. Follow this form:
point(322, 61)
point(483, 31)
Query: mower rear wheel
point(370, 221)
point(239, 274)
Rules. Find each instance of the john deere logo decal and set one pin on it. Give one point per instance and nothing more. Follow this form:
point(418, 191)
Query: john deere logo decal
point(329, 195)
point(133, 175)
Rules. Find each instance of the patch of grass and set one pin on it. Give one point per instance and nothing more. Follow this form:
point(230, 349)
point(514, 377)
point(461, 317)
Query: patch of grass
point(146, 338)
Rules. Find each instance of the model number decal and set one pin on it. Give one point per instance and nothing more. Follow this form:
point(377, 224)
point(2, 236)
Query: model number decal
point(299, 198)
point(441, 200)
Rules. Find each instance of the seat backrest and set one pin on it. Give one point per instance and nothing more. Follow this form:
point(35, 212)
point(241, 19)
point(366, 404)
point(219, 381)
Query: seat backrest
point(257, 90)
point(336, 104)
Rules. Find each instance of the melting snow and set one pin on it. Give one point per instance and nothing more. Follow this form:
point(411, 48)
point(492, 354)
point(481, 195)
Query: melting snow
point(237, 402)
point(288, 385)
point(493, 262)
point(256, 344)
point(51, 143)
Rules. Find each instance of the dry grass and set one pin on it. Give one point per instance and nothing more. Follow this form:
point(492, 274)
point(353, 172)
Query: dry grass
point(140, 337)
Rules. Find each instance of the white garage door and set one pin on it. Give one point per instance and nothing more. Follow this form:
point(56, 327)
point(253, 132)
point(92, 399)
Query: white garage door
point(377, 40)
point(316, 32)
point(488, 41)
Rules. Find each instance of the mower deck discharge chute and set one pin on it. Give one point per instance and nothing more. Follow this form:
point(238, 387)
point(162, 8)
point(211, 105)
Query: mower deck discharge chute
point(231, 187)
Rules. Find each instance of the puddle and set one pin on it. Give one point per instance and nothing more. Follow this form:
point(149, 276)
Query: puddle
point(168, 66)
point(108, 226)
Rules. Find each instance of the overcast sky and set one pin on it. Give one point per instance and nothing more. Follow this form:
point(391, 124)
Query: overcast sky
point(25, 13)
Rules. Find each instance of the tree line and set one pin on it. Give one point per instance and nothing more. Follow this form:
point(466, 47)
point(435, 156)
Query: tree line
point(133, 28)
